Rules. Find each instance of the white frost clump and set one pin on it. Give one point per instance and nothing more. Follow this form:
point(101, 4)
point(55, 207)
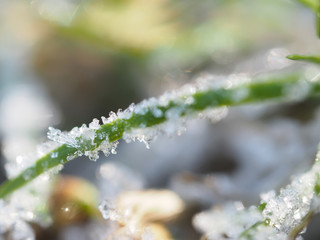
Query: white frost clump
point(278, 219)
point(174, 117)
point(288, 209)
point(110, 211)
point(226, 222)
point(82, 138)
point(19, 138)
point(12, 224)
point(72, 138)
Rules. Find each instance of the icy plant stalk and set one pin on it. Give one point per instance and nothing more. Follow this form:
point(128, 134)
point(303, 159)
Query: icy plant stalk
point(282, 216)
point(155, 116)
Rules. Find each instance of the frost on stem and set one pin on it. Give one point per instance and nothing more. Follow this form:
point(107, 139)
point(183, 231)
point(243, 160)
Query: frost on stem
point(148, 119)
point(166, 114)
point(173, 109)
point(287, 210)
point(226, 222)
point(208, 97)
point(278, 216)
point(83, 139)
point(12, 223)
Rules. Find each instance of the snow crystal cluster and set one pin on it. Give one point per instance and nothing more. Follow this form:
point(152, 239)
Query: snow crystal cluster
point(77, 136)
point(171, 109)
point(282, 213)
point(288, 209)
point(19, 139)
point(12, 223)
point(174, 118)
point(16, 214)
point(83, 139)
point(111, 212)
point(226, 222)
point(169, 112)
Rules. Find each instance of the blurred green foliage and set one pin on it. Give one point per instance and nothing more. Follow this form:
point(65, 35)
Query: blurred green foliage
point(127, 47)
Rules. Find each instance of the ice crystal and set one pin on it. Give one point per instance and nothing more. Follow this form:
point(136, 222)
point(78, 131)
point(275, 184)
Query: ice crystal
point(280, 216)
point(77, 137)
point(83, 139)
point(47, 147)
point(287, 210)
point(226, 222)
point(32, 208)
point(61, 137)
point(111, 212)
point(108, 148)
point(34, 194)
point(21, 231)
point(19, 138)
point(215, 114)
point(171, 106)
point(94, 124)
point(12, 223)
point(142, 135)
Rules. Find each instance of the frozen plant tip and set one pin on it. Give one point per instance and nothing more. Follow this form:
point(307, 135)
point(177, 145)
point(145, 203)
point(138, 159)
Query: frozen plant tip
point(282, 216)
point(164, 115)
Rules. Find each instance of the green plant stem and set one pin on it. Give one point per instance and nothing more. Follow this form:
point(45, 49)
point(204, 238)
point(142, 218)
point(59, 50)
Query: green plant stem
point(249, 233)
point(274, 88)
point(318, 20)
point(313, 4)
point(313, 59)
point(304, 223)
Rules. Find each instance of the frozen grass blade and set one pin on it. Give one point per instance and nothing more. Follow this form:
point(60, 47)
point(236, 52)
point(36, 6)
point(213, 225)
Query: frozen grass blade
point(312, 59)
point(313, 4)
point(299, 202)
point(318, 19)
point(280, 216)
point(152, 113)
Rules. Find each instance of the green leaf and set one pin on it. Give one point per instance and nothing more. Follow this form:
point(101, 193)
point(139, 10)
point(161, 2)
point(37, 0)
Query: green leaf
point(313, 59)
point(257, 91)
point(251, 231)
point(317, 186)
point(262, 206)
point(318, 21)
point(313, 4)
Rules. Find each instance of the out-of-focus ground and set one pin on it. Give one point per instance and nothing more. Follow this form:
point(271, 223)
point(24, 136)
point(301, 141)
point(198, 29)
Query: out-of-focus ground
point(64, 62)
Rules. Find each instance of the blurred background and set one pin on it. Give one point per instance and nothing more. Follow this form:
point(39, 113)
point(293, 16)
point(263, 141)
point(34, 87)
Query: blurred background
point(65, 62)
